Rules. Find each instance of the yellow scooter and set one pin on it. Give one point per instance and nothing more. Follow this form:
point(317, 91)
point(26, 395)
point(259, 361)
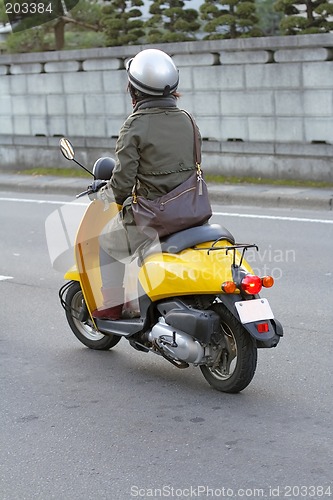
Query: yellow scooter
point(198, 298)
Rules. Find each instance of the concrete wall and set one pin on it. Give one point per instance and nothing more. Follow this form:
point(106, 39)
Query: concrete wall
point(264, 106)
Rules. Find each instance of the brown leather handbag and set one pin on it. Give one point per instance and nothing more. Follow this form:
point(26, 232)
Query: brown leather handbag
point(185, 206)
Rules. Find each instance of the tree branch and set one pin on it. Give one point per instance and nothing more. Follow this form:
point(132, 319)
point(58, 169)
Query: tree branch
point(80, 23)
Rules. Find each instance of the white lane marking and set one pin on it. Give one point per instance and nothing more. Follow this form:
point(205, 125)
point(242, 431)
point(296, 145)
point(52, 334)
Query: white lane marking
point(47, 202)
point(225, 214)
point(275, 217)
point(3, 278)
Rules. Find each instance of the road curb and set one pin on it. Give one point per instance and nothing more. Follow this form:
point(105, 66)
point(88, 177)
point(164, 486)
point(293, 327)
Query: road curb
point(225, 194)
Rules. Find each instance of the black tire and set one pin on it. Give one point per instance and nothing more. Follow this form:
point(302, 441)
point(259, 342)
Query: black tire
point(238, 360)
point(85, 331)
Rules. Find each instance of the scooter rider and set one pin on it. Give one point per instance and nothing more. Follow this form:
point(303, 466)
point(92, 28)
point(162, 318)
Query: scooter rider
point(154, 151)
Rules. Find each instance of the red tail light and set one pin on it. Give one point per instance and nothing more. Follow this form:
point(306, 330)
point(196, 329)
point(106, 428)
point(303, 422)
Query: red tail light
point(262, 327)
point(251, 284)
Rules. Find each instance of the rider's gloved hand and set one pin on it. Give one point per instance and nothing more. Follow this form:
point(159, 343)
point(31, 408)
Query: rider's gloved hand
point(94, 187)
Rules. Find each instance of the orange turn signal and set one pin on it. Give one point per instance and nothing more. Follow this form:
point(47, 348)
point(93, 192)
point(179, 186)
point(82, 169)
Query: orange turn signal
point(229, 287)
point(267, 281)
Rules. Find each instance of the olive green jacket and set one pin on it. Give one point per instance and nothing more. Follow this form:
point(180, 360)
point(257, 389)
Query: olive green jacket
point(154, 153)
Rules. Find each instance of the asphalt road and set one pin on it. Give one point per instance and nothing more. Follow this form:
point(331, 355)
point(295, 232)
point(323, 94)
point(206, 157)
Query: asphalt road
point(81, 424)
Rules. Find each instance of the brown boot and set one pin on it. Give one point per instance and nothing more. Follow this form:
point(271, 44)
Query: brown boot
point(113, 299)
point(109, 313)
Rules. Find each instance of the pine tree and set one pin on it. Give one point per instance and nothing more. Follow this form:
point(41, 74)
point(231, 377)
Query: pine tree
point(3, 15)
point(121, 22)
point(269, 18)
point(47, 30)
point(305, 16)
point(171, 22)
point(230, 19)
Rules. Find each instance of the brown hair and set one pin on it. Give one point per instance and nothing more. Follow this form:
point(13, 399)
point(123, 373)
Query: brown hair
point(137, 95)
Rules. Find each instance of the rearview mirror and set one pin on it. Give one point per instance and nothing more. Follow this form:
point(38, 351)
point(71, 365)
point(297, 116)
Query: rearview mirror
point(68, 151)
point(66, 148)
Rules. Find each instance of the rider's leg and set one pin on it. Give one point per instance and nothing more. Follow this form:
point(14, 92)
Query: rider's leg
point(112, 272)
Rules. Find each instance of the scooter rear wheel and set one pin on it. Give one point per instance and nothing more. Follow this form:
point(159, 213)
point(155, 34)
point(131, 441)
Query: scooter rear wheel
point(85, 330)
point(238, 359)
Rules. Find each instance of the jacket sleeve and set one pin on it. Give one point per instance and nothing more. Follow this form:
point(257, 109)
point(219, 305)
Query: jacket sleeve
point(127, 159)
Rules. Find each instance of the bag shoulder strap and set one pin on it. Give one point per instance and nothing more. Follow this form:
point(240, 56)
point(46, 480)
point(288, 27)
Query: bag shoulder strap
point(197, 147)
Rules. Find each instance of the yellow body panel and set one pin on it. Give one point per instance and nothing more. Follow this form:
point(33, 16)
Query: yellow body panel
point(190, 272)
point(87, 251)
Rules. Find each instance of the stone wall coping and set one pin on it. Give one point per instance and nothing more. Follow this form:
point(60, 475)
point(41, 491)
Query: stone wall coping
point(236, 147)
point(195, 47)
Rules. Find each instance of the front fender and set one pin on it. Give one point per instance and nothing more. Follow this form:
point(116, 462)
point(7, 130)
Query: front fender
point(267, 339)
point(72, 274)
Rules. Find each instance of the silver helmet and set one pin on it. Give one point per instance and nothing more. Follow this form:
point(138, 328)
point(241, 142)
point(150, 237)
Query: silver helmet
point(153, 72)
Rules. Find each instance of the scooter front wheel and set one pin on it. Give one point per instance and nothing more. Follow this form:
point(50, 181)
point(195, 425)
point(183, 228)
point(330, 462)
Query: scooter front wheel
point(85, 330)
point(238, 359)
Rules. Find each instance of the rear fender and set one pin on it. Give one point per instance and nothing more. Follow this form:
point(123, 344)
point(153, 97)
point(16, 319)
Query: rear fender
point(267, 339)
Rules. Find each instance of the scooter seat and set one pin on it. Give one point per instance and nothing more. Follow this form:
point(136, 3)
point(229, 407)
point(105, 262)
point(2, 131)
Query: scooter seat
point(188, 238)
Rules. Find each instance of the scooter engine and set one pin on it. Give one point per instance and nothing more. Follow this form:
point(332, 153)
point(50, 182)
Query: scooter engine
point(176, 344)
